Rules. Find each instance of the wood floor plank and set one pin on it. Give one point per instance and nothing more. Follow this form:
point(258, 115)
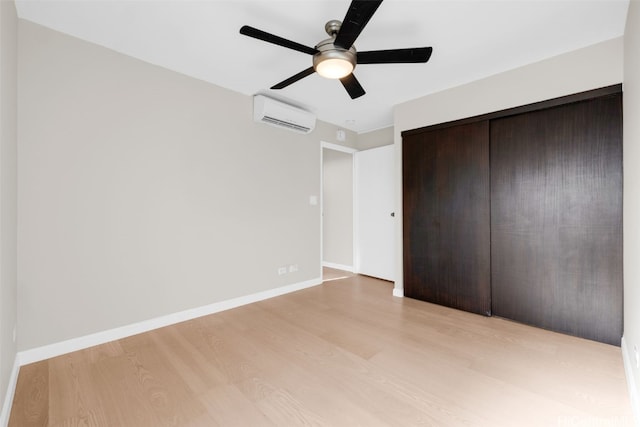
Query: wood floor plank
point(31, 407)
point(228, 406)
point(121, 393)
point(357, 380)
point(162, 384)
point(346, 353)
point(463, 390)
point(70, 376)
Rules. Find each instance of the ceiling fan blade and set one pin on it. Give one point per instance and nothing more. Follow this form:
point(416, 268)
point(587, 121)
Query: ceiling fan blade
point(301, 75)
point(395, 56)
point(352, 85)
point(271, 38)
point(354, 21)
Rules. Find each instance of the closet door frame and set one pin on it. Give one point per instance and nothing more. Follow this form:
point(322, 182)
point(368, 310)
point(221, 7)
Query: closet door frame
point(542, 105)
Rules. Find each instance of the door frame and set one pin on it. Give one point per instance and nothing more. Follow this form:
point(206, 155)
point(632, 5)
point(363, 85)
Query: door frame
point(350, 151)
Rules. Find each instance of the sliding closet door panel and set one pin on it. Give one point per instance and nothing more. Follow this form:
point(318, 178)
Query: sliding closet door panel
point(556, 218)
point(446, 217)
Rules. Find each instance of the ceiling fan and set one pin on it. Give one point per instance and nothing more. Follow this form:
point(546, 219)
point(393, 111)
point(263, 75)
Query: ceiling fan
point(336, 57)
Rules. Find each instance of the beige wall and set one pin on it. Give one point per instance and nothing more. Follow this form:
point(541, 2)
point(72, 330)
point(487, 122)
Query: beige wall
point(144, 192)
point(8, 140)
point(337, 203)
point(631, 108)
point(589, 68)
point(375, 139)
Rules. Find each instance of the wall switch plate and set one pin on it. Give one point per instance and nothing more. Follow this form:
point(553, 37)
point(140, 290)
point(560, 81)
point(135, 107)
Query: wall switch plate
point(293, 268)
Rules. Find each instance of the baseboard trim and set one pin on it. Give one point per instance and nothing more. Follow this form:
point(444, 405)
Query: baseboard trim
point(342, 267)
point(11, 391)
point(633, 390)
point(398, 292)
point(52, 350)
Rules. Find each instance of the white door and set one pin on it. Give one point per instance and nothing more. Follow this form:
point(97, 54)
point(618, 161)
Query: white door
point(375, 220)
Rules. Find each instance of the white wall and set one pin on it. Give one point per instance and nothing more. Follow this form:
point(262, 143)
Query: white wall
point(144, 192)
point(8, 139)
point(589, 68)
point(631, 108)
point(337, 203)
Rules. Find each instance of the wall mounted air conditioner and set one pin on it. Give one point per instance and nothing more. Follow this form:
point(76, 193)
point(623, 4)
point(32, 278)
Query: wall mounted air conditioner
point(277, 113)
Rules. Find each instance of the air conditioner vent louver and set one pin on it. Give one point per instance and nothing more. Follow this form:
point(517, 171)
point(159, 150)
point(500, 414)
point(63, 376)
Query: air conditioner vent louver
point(278, 122)
point(276, 113)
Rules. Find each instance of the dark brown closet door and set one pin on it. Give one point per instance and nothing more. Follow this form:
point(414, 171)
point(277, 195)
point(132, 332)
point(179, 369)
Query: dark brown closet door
point(446, 216)
point(556, 218)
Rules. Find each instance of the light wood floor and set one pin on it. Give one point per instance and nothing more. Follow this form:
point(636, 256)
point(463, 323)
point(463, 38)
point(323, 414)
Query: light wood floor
point(345, 353)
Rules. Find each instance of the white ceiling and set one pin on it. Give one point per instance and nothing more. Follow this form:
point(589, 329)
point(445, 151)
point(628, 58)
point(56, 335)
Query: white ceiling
point(471, 39)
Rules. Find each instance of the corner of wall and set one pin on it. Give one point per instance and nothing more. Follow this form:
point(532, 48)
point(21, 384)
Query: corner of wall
point(8, 204)
point(11, 389)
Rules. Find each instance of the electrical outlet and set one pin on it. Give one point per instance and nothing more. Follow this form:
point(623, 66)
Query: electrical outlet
point(637, 355)
point(282, 270)
point(293, 268)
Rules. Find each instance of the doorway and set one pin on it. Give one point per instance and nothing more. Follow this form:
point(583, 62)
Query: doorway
point(337, 207)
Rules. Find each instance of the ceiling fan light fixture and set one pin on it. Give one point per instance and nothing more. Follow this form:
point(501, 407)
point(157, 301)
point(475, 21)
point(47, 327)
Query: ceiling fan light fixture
point(334, 68)
point(333, 62)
